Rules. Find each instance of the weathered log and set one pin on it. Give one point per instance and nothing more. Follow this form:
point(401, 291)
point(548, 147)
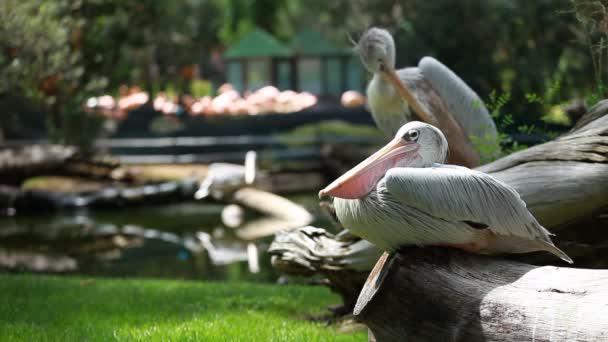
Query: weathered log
point(19, 200)
point(32, 158)
point(21, 162)
point(565, 180)
point(344, 260)
point(36, 261)
point(440, 294)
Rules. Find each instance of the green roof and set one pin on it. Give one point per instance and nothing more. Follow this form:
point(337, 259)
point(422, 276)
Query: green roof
point(257, 43)
point(311, 42)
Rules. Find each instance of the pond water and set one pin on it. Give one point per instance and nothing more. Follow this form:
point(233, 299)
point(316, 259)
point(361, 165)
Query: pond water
point(184, 240)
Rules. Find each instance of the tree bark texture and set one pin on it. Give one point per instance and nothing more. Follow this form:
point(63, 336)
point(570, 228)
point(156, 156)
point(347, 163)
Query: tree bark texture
point(439, 294)
point(344, 260)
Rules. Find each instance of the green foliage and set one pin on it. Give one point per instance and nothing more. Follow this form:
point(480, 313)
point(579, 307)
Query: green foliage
point(598, 94)
point(491, 148)
point(532, 97)
point(38, 308)
point(200, 88)
point(487, 146)
point(593, 18)
point(58, 53)
point(505, 121)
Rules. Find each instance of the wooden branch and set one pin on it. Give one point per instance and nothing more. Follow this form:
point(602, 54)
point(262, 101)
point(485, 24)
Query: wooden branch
point(344, 260)
point(440, 294)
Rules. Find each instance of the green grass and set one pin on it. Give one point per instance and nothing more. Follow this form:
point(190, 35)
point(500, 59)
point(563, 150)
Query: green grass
point(44, 308)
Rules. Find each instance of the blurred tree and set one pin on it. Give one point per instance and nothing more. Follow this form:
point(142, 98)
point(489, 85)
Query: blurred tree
point(53, 55)
point(36, 53)
point(57, 53)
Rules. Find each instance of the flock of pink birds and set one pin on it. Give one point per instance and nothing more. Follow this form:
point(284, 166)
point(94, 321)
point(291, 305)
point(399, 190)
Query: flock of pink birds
point(267, 99)
point(264, 100)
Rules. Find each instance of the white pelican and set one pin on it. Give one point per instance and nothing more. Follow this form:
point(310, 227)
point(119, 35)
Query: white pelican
point(432, 90)
point(224, 178)
point(402, 195)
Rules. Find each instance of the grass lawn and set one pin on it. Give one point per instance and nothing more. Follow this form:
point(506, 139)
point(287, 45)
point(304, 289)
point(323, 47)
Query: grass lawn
point(46, 308)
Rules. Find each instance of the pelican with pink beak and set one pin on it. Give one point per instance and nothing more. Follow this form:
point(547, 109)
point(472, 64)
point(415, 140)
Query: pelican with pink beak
point(404, 195)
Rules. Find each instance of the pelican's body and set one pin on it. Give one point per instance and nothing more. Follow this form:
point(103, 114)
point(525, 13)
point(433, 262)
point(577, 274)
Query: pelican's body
point(432, 84)
point(402, 195)
point(381, 218)
point(224, 178)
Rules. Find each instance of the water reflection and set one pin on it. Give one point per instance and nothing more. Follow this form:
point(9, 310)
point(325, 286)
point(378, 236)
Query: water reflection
point(186, 240)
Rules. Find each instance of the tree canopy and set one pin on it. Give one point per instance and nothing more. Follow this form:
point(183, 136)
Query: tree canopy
point(538, 53)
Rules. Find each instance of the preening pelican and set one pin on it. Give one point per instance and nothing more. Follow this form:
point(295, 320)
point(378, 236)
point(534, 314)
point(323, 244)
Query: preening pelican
point(225, 178)
point(402, 195)
point(430, 90)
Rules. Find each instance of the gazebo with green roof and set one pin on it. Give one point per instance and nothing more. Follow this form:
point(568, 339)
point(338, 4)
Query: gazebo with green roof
point(256, 60)
point(323, 68)
point(310, 63)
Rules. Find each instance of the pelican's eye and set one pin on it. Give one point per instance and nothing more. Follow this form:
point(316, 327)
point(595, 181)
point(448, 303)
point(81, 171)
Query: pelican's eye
point(411, 135)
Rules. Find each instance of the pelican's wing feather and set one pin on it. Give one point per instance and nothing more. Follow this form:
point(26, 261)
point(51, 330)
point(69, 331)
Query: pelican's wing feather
point(457, 193)
point(462, 101)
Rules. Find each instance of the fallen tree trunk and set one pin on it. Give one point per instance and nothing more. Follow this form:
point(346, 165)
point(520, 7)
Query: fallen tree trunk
point(565, 180)
point(32, 158)
point(21, 201)
point(439, 294)
point(21, 162)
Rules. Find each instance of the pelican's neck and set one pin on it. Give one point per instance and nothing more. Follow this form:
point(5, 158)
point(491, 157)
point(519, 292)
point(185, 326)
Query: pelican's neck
point(389, 111)
point(383, 85)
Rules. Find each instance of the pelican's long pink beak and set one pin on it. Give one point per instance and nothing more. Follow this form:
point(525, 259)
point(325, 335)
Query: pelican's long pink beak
point(360, 180)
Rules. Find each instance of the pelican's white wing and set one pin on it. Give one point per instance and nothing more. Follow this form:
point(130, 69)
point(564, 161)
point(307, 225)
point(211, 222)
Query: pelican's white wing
point(457, 193)
point(462, 101)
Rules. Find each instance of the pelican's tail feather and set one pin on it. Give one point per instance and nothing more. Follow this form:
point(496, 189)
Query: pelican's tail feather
point(515, 245)
point(550, 247)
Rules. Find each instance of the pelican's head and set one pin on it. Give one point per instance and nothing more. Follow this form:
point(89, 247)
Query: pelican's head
point(433, 146)
point(416, 144)
point(377, 50)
